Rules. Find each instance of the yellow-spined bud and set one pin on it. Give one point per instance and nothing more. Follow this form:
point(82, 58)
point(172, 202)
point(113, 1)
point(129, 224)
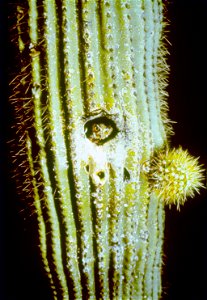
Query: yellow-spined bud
point(176, 175)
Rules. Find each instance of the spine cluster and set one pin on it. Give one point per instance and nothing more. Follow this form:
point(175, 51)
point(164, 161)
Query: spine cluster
point(176, 175)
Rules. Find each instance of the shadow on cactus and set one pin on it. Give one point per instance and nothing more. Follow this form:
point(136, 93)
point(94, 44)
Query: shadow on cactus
point(91, 110)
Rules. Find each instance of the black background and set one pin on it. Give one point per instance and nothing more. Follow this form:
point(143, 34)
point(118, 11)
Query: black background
point(185, 245)
point(185, 270)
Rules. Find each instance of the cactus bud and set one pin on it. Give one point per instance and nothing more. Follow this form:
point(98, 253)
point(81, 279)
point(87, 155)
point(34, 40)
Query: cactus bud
point(176, 175)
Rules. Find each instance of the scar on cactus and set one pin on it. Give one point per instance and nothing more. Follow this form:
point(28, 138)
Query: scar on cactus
point(90, 104)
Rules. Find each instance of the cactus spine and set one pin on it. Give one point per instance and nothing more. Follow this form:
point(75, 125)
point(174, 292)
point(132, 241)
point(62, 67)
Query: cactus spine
point(91, 111)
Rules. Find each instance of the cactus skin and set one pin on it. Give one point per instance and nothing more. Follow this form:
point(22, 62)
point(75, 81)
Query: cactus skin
point(91, 112)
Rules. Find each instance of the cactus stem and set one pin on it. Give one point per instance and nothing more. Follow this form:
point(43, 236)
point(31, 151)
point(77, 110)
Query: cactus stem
point(91, 130)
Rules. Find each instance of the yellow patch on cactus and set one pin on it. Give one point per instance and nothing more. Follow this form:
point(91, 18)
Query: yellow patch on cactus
point(176, 175)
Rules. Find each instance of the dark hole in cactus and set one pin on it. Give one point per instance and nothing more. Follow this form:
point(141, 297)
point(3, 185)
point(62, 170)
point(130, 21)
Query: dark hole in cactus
point(101, 174)
point(87, 168)
point(126, 175)
point(100, 130)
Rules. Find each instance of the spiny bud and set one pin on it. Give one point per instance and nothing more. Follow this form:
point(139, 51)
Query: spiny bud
point(176, 175)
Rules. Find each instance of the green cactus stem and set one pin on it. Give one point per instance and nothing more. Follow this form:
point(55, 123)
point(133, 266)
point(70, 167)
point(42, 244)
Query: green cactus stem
point(92, 133)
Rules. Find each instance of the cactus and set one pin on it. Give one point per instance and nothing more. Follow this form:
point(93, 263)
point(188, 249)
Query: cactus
point(93, 143)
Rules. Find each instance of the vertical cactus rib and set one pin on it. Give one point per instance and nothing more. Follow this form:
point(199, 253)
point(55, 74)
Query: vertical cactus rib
point(48, 195)
point(40, 219)
point(71, 61)
point(110, 45)
point(131, 220)
point(116, 231)
point(138, 45)
point(152, 243)
point(125, 59)
point(163, 70)
point(90, 42)
point(87, 256)
point(137, 286)
point(101, 230)
point(149, 81)
point(161, 106)
point(59, 149)
point(157, 284)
